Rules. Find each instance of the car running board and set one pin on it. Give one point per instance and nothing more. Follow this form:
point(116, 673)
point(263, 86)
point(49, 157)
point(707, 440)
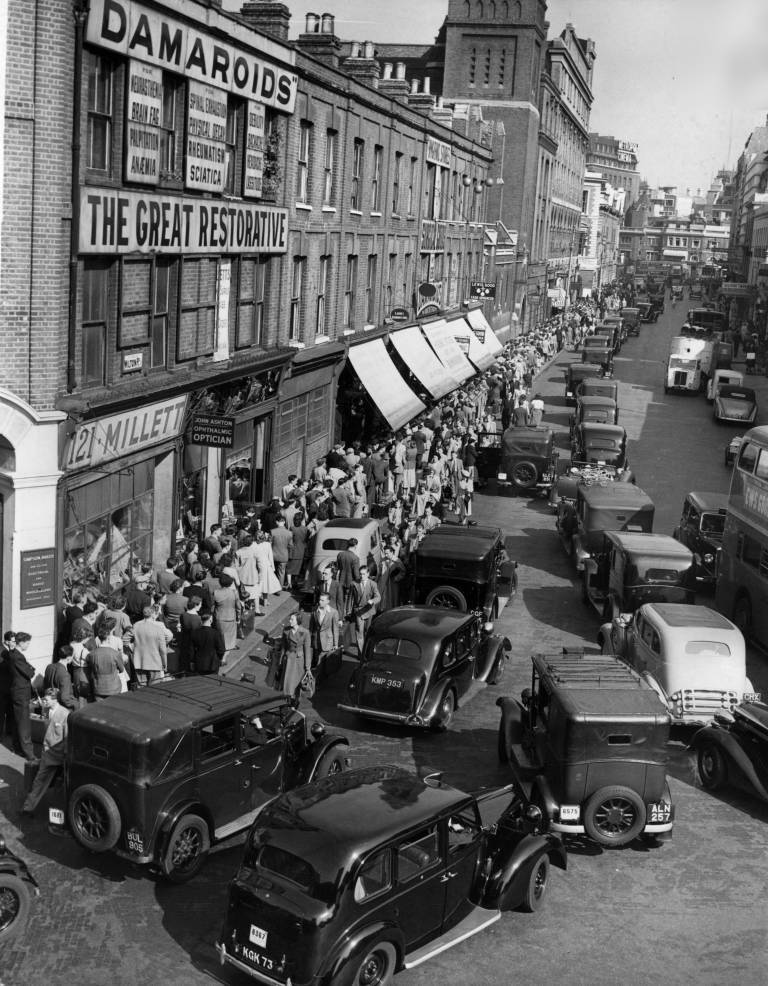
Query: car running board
point(475, 921)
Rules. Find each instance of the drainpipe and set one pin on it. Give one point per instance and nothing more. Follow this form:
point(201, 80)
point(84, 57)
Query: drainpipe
point(80, 13)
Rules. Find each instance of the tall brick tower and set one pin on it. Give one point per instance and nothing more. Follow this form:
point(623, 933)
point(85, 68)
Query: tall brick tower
point(493, 58)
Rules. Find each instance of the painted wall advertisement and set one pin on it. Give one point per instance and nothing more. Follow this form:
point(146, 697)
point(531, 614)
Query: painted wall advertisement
point(142, 125)
point(206, 138)
point(128, 222)
point(253, 170)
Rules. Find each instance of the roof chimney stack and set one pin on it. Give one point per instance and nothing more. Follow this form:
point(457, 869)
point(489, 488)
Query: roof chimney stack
point(267, 16)
point(319, 38)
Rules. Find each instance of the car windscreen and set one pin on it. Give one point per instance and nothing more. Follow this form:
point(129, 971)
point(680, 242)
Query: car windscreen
point(396, 647)
point(712, 524)
point(657, 570)
point(737, 393)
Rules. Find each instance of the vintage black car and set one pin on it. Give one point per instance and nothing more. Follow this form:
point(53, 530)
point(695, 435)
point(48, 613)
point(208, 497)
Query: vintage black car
point(523, 457)
point(733, 750)
point(599, 350)
point(657, 302)
point(464, 568)
point(601, 445)
point(17, 888)
point(599, 410)
point(599, 387)
point(630, 569)
point(590, 735)
point(631, 317)
point(161, 774)
point(350, 880)
point(701, 529)
point(421, 663)
point(648, 312)
point(575, 373)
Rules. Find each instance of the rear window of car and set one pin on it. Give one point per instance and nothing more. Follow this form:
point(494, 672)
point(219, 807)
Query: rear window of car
point(289, 867)
point(335, 544)
point(397, 646)
point(707, 648)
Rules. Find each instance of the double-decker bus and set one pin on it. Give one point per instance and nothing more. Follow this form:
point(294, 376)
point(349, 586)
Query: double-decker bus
point(742, 579)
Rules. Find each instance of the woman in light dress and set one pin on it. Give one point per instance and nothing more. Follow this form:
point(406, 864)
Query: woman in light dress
point(265, 562)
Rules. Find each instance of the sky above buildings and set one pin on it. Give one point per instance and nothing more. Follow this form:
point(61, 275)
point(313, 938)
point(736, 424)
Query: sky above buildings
point(687, 80)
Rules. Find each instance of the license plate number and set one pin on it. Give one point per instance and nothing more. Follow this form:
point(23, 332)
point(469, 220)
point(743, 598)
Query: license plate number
point(569, 813)
point(55, 816)
point(377, 679)
point(659, 813)
point(752, 696)
point(502, 476)
point(134, 841)
point(255, 958)
point(257, 936)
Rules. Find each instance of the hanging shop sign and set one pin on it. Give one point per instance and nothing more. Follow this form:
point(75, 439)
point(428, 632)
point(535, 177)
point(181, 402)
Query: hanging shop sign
point(37, 578)
point(105, 439)
point(130, 28)
point(206, 161)
point(128, 222)
point(142, 124)
point(211, 430)
point(400, 315)
point(253, 165)
point(482, 289)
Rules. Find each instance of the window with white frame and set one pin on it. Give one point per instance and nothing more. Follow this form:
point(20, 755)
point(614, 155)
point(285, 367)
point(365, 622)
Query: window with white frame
point(250, 301)
point(370, 289)
point(323, 284)
point(94, 321)
point(358, 160)
point(349, 292)
point(99, 137)
point(302, 171)
point(169, 122)
point(329, 180)
point(396, 176)
point(378, 153)
point(297, 288)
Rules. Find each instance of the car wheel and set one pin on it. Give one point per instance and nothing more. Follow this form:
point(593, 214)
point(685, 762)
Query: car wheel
point(538, 881)
point(447, 597)
point(187, 849)
point(445, 711)
point(713, 769)
point(15, 901)
point(497, 670)
point(524, 475)
point(614, 816)
point(742, 615)
point(94, 818)
point(331, 762)
point(375, 967)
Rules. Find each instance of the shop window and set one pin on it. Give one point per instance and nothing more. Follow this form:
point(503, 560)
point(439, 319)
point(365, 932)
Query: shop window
point(292, 425)
point(304, 154)
point(100, 100)
point(297, 289)
point(192, 486)
point(94, 321)
point(250, 306)
point(370, 289)
point(246, 465)
point(198, 307)
point(329, 180)
point(169, 125)
point(358, 158)
point(323, 284)
point(349, 293)
point(378, 153)
point(317, 421)
point(108, 533)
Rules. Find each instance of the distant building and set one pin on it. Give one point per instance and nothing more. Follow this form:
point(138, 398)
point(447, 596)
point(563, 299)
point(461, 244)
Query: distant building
point(616, 161)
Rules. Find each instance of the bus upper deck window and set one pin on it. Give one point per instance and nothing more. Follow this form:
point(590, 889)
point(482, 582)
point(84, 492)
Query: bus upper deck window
point(761, 469)
point(748, 457)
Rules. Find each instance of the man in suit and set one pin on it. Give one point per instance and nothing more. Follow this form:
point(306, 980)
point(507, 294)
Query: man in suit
point(324, 630)
point(207, 645)
point(282, 542)
point(190, 621)
point(331, 586)
point(365, 599)
point(150, 646)
point(348, 565)
point(342, 499)
point(22, 674)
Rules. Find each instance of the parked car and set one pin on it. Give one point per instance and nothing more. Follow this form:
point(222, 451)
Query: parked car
point(528, 459)
point(17, 888)
point(379, 871)
point(602, 445)
point(732, 450)
point(599, 387)
point(632, 320)
point(420, 663)
point(657, 302)
point(599, 410)
point(701, 529)
point(334, 536)
point(648, 312)
point(161, 774)
point(597, 349)
point(597, 508)
point(692, 656)
point(630, 569)
point(732, 751)
point(735, 405)
point(464, 568)
point(591, 736)
point(575, 373)
point(720, 377)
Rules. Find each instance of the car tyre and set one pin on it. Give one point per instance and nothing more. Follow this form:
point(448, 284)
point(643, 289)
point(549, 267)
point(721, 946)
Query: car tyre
point(445, 712)
point(713, 768)
point(331, 762)
point(447, 597)
point(536, 889)
point(94, 818)
point(497, 671)
point(15, 904)
point(374, 967)
point(524, 475)
point(187, 849)
point(614, 816)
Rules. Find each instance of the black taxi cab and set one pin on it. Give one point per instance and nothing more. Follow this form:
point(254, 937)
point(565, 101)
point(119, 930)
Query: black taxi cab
point(420, 663)
point(575, 374)
point(701, 529)
point(350, 880)
point(161, 774)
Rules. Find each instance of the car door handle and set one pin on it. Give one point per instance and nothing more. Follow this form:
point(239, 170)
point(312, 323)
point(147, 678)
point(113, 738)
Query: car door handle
point(447, 876)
